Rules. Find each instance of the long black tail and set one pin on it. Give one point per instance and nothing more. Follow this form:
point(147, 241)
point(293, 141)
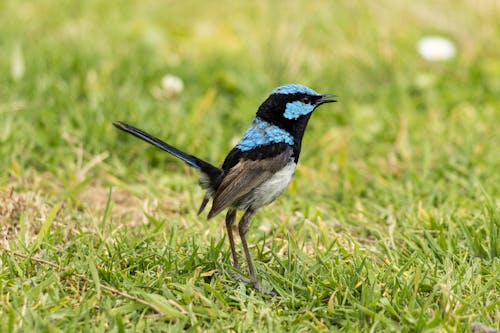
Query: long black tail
point(214, 174)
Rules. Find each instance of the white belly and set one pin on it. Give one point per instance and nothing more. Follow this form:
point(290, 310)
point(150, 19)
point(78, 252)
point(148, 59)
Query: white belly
point(268, 191)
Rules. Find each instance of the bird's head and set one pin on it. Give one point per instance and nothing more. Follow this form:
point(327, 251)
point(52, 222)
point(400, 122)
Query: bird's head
point(291, 105)
point(292, 102)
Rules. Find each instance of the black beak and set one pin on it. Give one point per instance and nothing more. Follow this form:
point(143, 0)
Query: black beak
point(326, 98)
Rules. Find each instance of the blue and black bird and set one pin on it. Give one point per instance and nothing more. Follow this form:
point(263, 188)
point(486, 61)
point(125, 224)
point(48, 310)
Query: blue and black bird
point(259, 168)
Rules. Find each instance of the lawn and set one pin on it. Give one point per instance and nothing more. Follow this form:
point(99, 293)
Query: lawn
point(392, 221)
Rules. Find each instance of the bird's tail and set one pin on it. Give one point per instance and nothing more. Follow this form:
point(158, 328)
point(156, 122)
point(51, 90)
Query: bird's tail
point(212, 173)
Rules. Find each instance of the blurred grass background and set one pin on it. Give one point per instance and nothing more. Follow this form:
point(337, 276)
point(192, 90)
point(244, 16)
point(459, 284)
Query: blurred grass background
point(391, 222)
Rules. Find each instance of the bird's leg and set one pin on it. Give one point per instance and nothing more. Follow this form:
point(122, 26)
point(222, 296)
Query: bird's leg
point(243, 227)
point(230, 218)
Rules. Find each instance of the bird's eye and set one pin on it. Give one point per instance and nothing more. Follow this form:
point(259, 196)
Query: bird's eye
point(305, 100)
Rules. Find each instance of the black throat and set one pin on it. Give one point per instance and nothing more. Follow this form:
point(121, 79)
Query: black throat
point(272, 111)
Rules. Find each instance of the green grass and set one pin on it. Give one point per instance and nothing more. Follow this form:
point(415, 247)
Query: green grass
point(392, 222)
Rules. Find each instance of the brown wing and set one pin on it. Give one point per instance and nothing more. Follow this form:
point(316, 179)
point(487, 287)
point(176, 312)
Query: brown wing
point(245, 176)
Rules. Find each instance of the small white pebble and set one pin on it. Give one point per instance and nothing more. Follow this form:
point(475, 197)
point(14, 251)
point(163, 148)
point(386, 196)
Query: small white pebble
point(172, 85)
point(436, 48)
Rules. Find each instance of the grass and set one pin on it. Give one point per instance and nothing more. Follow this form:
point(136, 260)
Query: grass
point(392, 222)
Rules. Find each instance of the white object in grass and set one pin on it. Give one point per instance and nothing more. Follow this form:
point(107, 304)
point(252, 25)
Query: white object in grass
point(436, 48)
point(172, 85)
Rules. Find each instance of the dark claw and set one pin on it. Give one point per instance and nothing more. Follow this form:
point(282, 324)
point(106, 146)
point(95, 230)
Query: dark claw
point(241, 278)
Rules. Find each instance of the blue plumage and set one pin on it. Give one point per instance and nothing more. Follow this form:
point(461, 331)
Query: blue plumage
point(294, 88)
point(259, 168)
point(263, 133)
point(294, 110)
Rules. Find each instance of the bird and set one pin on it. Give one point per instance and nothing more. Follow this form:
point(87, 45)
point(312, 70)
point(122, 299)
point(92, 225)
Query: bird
point(258, 168)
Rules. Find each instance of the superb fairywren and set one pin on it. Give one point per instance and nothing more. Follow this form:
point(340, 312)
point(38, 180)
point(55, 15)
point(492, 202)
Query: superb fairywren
point(259, 168)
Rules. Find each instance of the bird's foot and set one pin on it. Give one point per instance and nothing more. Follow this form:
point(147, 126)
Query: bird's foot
point(241, 278)
point(253, 282)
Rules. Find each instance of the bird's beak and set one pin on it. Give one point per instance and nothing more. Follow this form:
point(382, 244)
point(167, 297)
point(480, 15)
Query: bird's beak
point(326, 98)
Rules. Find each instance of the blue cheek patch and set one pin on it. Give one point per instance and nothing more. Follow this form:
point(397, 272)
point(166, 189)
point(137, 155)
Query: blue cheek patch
point(263, 133)
point(296, 109)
